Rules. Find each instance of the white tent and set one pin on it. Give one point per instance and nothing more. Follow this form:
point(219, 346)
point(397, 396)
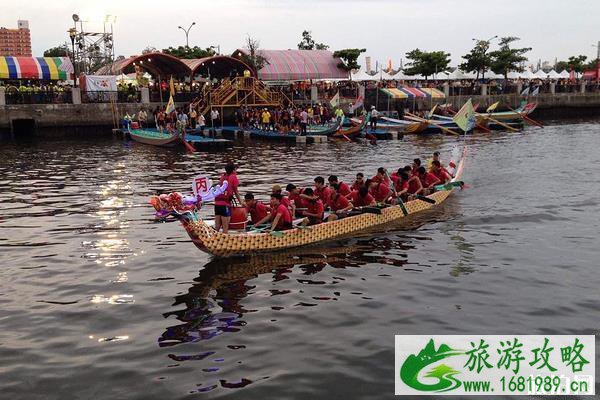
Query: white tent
point(384, 76)
point(441, 76)
point(400, 76)
point(527, 74)
point(362, 75)
point(493, 75)
point(553, 75)
point(514, 75)
point(564, 74)
point(540, 74)
point(457, 74)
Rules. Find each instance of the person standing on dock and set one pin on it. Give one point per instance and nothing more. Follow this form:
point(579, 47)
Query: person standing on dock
point(303, 122)
point(374, 116)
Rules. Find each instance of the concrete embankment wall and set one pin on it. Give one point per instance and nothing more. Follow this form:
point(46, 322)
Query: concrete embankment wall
point(61, 119)
point(88, 119)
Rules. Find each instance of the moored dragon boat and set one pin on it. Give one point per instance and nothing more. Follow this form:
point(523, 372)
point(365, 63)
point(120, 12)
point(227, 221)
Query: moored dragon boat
point(155, 137)
point(255, 242)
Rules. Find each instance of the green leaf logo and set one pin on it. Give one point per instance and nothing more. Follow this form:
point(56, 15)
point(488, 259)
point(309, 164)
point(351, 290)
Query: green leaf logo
point(409, 372)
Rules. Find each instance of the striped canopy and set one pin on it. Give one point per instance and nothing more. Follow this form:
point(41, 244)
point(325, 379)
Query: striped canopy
point(413, 92)
point(44, 68)
point(297, 65)
point(434, 93)
point(405, 92)
point(395, 93)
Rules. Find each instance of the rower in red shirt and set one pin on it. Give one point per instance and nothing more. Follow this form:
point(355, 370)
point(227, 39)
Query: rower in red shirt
point(381, 177)
point(255, 208)
point(280, 216)
point(295, 197)
point(440, 172)
point(344, 189)
point(314, 208)
point(362, 198)
point(415, 166)
point(284, 199)
point(339, 204)
point(428, 180)
point(379, 190)
point(401, 184)
point(321, 191)
point(358, 183)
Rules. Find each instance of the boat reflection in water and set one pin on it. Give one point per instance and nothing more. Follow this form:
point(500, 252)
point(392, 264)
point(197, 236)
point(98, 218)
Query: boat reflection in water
point(219, 298)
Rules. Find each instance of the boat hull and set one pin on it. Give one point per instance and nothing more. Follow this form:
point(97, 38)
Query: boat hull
point(154, 138)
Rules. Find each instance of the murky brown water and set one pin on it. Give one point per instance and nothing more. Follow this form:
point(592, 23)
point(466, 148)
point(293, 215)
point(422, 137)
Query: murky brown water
point(99, 301)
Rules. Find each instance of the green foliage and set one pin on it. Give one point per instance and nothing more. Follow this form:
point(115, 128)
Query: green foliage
point(477, 60)
point(507, 59)
point(58, 51)
point(577, 63)
point(149, 49)
point(308, 43)
point(592, 64)
point(349, 58)
point(189, 52)
point(426, 63)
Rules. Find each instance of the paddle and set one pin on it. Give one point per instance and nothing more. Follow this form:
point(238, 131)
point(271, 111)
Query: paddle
point(188, 146)
point(526, 118)
point(444, 129)
point(425, 199)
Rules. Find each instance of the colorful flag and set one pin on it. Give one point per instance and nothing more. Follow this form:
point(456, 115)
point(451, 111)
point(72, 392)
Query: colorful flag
point(536, 91)
point(465, 117)
point(525, 91)
point(170, 105)
point(572, 76)
point(172, 86)
point(335, 100)
point(357, 104)
point(492, 107)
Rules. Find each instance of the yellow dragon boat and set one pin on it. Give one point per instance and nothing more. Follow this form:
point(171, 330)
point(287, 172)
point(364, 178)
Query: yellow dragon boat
point(219, 244)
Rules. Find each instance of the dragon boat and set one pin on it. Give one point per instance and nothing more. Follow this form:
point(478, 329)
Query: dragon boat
point(194, 138)
point(256, 242)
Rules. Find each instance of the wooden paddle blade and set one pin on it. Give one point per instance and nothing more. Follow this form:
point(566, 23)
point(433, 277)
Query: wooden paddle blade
point(402, 206)
point(426, 199)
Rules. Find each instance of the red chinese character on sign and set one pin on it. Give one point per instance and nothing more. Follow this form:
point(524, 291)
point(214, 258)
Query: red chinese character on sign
point(201, 185)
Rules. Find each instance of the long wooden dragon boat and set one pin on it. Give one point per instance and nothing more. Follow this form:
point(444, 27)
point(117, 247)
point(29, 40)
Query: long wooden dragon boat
point(155, 137)
point(355, 130)
point(235, 244)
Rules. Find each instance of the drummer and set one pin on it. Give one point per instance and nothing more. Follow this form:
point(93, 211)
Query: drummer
point(223, 201)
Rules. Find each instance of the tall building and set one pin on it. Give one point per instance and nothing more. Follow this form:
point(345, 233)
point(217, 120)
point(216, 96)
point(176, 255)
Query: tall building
point(15, 42)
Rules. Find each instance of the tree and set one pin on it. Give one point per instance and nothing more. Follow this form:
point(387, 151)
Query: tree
point(253, 55)
point(150, 49)
point(592, 64)
point(577, 63)
point(308, 43)
point(189, 52)
point(58, 51)
point(426, 63)
point(507, 59)
point(477, 60)
point(349, 58)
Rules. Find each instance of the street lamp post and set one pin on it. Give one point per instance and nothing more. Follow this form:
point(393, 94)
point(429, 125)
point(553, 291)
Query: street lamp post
point(187, 33)
point(72, 35)
point(485, 49)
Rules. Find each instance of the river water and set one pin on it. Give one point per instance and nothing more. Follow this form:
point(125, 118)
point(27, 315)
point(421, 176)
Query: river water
point(99, 301)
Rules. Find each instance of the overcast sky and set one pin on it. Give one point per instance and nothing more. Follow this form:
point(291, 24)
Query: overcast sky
point(386, 28)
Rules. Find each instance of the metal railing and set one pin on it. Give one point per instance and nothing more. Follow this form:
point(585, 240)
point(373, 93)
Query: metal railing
point(110, 96)
point(38, 97)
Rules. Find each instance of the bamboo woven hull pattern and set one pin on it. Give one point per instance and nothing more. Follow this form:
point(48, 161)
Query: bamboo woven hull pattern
point(227, 245)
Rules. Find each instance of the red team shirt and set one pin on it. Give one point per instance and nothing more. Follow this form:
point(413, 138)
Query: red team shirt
point(315, 207)
point(258, 212)
point(286, 216)
point(339, 203)
point(381, 192)
point(358, 201)
point(344, 189)
point(428, 179)
point(324, 194)
point(232, 185)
